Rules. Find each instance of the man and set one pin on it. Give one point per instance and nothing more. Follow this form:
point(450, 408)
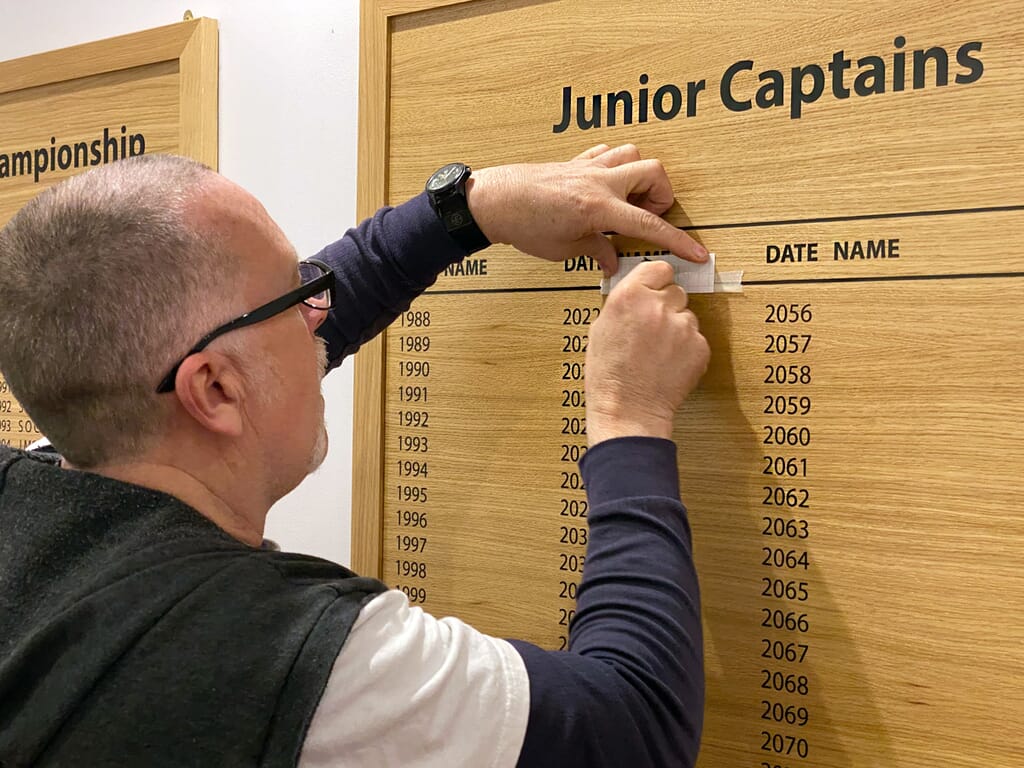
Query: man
point(154, 324)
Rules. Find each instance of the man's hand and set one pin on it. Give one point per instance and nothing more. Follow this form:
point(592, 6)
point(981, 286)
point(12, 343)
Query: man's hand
point(558, 210)
point(645, 355)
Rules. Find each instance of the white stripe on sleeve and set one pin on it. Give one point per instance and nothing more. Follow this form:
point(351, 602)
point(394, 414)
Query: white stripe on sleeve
point(408, 689)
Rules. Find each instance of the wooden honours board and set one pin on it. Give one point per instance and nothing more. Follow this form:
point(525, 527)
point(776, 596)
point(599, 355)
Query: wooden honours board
point(852, 461)
point(69, 110)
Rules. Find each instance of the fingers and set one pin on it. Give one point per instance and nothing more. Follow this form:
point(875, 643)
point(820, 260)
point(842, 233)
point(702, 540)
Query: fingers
point(601, 250)
point(677, 300)
point(650, 193)
point(641, 224)
point(593, 152)
point(611, 158)
point(659, 276)
point(633, 193)
point(647, 179)
point(655, 275)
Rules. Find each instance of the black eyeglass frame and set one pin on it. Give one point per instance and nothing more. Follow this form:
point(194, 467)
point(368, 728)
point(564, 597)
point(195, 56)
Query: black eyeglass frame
point(325, 282)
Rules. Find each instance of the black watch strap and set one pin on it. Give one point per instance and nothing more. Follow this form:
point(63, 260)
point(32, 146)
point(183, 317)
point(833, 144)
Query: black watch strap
point(446, 190)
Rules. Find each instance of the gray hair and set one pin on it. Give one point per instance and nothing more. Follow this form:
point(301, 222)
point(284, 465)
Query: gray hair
point(104, 286)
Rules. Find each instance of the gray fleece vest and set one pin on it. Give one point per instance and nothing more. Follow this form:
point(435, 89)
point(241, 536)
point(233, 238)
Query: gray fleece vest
point(134, 632)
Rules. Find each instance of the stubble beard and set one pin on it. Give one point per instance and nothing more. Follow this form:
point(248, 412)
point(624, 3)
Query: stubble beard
point(320, 444)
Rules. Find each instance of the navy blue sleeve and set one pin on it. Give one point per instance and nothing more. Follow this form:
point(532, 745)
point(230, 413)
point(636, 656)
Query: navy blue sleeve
point(630, 689)
point(380, 267)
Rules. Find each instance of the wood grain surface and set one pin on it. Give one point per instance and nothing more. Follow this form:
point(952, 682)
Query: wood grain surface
point(852, 461)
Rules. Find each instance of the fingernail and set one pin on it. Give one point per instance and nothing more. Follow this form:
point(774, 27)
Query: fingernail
point(702, 253)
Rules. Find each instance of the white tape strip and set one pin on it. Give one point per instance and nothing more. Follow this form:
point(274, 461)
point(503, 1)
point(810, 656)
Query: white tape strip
point(694, 278)
point(729, 282)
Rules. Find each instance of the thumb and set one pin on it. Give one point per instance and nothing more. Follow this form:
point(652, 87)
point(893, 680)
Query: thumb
point(600, 249)
point(652, 274)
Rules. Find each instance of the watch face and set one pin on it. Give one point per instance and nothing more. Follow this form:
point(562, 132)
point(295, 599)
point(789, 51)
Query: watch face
point(445, 176)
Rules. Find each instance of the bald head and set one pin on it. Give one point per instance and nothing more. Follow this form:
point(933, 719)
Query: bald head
point(223, 212)
point(108, 278)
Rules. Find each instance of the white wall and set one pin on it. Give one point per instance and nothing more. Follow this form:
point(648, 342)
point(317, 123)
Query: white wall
point(288, 110)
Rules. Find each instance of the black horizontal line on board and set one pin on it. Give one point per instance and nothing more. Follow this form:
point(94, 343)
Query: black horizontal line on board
point(855, 217)
point(792, 281)
point(781, 281)
point(885, 278)
point(539, 289)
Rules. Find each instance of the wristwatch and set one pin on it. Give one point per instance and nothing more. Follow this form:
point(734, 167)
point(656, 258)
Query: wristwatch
point(446, 190)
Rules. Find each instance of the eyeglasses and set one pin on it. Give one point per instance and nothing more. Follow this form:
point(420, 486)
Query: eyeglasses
point(316, 292)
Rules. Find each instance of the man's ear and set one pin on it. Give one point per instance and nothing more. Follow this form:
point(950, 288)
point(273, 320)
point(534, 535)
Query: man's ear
point(209, 388)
